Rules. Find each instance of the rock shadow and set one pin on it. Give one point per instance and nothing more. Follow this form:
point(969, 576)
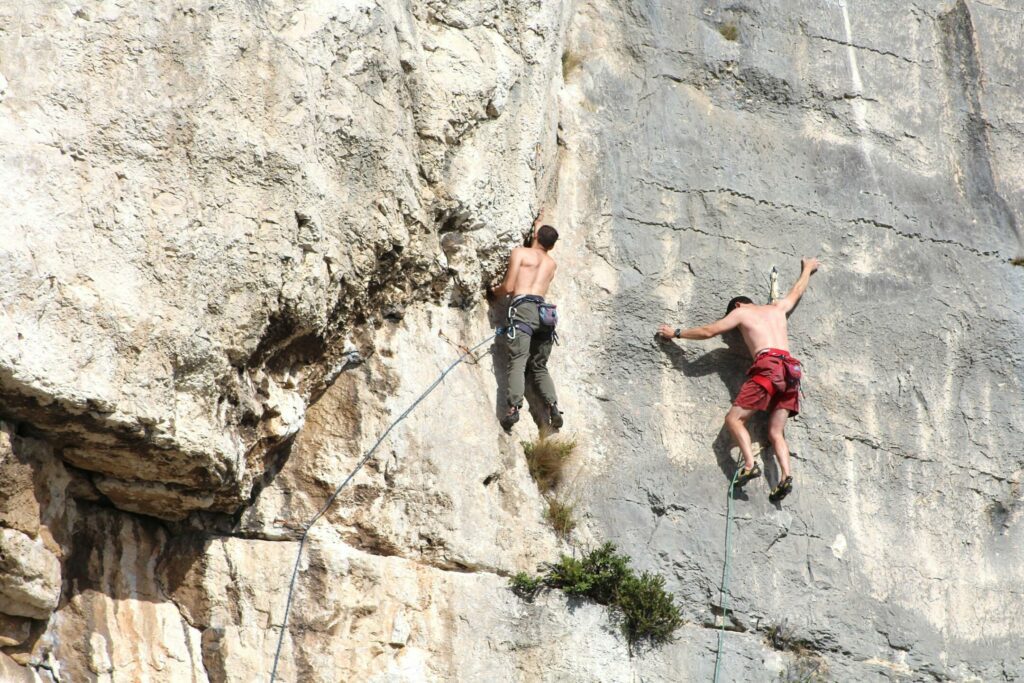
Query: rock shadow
point(496, 314)
point(730, 364)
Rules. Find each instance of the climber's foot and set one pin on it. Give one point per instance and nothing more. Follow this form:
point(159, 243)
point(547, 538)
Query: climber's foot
point(511, 417)
point(745, 474)
point(782, 490)
point(555, 418)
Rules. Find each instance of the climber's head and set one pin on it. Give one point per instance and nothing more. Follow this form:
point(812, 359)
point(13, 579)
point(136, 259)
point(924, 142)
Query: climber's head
point(546, 237)
point(737, 301)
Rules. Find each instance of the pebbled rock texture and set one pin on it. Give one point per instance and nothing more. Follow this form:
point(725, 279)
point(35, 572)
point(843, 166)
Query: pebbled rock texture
point(244, 237)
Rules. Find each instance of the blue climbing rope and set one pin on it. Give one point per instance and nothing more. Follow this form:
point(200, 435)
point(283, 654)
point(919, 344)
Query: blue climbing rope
point(330, 501)
point(724, 599)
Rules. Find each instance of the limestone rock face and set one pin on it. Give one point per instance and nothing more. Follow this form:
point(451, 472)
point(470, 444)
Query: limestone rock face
point(208, 199)
point(32, 513)
point(30, 583)
point(243, 238)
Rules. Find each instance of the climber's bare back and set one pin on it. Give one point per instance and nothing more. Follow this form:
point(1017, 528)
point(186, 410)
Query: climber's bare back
point(763, 327)
point(531, 271)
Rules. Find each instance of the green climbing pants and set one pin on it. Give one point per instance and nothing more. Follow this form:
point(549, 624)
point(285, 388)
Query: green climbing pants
point(528, 355)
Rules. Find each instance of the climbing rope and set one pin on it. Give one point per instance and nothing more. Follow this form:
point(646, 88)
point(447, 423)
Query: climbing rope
point(330, 501)
point(724, 599)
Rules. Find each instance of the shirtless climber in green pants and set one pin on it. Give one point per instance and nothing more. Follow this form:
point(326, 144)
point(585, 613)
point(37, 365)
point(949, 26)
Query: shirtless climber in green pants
point(774, 384)
point(530, 328)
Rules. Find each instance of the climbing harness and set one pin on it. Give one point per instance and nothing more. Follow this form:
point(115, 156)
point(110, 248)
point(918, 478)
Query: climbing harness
point(792, 372)
point(330, 501)
point(723, 600)
point(548, 318)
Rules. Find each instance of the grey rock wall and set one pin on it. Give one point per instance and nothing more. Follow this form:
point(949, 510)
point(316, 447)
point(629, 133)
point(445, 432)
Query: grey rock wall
point(869, 134)
point(243, 237)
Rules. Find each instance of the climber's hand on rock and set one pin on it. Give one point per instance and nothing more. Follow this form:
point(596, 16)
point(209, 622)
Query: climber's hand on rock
point(810, 263)
point(667, 332)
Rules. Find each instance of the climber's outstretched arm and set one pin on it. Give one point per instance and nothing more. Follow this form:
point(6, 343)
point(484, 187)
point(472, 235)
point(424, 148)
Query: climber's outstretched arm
point(808, 266)
point(729, 322)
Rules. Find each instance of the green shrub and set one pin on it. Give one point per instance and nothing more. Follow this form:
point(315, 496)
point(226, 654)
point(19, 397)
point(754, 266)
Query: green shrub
point(560, 515)
point(546, 458)
point(647, 613)
point(597, 575)
point(526, 586)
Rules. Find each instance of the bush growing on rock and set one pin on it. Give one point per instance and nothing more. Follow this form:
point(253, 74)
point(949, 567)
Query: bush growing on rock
point(645, 611)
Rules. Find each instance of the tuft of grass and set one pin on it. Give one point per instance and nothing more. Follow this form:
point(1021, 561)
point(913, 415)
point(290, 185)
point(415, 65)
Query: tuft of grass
point(1019, 261)
point(571, 61)
point(560, 515)
point(646, 612)
point(546, 458)
point(729, 31)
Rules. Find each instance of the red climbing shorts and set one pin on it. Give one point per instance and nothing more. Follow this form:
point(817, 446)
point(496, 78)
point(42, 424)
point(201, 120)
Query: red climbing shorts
point(770, 387)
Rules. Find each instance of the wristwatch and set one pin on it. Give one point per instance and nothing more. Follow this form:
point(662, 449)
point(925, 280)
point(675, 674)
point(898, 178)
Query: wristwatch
point(678, 333)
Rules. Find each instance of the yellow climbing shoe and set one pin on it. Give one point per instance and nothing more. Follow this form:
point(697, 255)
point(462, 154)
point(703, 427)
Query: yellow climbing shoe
point(782, 490)
point(745, 475)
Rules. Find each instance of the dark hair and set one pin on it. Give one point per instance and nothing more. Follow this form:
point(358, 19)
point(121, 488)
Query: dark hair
point(737, 300)
point(547, 236)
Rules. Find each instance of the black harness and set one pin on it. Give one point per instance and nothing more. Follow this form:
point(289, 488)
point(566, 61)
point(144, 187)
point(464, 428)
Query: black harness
point(516, 325)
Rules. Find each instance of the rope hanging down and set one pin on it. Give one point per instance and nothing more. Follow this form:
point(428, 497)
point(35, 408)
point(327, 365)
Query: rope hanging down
point(773, 296)
point(330, 501)
point(723, 600)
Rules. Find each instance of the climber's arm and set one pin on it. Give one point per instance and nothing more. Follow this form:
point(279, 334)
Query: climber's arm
point(507, 285)
point(729, 322)
point(788, 302)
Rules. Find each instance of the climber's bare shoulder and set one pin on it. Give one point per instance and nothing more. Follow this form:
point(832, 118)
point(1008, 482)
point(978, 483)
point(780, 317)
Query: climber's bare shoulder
point(535, 271)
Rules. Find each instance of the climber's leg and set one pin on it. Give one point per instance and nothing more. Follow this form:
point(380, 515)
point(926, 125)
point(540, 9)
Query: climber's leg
point(777, 435)
point(736, 423)
point(537, 367)
point(518, 355)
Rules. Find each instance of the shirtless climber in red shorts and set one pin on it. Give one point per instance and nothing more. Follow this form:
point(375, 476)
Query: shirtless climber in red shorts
point(774, 383)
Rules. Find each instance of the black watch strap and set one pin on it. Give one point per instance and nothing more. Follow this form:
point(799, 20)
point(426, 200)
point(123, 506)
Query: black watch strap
point(679, 333)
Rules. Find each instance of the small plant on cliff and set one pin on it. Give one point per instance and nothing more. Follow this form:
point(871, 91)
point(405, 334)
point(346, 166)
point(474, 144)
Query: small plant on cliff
point(1019, 261)
point(560, 515)
point(645, 611)
point(546, 457)
point(526, 586)
point(729, 31)
point(806, 667)
point(570, 62)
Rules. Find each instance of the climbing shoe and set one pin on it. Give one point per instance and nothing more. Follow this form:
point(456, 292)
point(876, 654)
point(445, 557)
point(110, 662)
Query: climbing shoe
point(511, 417)
point(555, 416)
point(745, 475)
point(782, 490)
